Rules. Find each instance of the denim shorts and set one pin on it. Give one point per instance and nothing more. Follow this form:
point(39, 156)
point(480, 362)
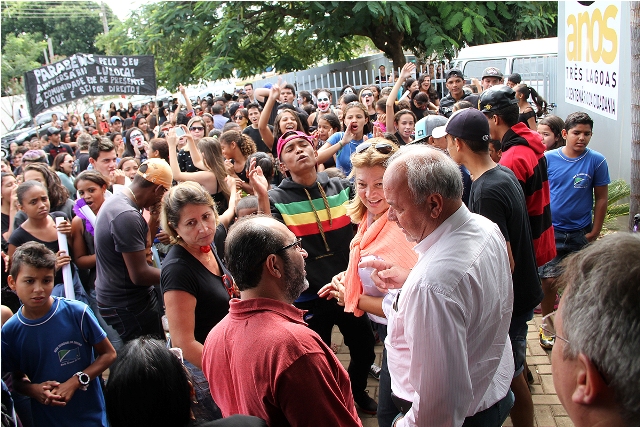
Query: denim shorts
point(518, 335)
point(567, 242)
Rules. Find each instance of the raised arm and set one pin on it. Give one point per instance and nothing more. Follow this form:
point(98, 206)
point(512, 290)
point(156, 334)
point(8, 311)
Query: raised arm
point(226, 217)
point(263, 123)
point(261, 93)
point(260, 187)
point(183, 91)
point(172, 141)
point(406, 71)
point(334, 144)
point(196, 155)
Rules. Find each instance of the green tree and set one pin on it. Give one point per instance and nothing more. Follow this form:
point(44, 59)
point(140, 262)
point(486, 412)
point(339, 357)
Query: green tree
point(72, 26)
point(19, 55)
point(209, 40)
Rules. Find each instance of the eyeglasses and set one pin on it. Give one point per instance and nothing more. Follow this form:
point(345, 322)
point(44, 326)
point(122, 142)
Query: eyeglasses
point(367, 94)
point(198, 128)
point(380, 147)
point(230, 286)
point(548, 326)
point(297, 244)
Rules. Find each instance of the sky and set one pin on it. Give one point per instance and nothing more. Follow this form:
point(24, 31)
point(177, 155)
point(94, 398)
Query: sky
point(122, 8)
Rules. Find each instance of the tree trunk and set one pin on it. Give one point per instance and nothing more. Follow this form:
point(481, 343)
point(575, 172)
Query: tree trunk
point(634, 203)
point(391, 44)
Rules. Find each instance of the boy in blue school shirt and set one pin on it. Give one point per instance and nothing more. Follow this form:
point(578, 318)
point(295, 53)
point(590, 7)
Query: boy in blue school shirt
point(50, 343)
point(577, 175)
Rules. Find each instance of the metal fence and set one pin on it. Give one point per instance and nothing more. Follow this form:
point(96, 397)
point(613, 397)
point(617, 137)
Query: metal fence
point(359, 72)
point(539, 72)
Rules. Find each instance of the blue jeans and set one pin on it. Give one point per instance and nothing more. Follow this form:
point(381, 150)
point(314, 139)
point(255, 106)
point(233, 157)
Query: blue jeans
point(204, 408)
point(567, 242)
point(135, 321)
point(493, 416)
point(387, 411)
point(113, 336)
point(358, 336)
point(518, 335)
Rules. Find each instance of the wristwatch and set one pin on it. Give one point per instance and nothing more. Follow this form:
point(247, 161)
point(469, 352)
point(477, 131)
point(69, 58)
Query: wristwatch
point(84, 380)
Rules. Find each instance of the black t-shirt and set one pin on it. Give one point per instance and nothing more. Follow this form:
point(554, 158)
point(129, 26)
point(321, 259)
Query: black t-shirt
point(257, 138)
point(497, 195)
point(123, 113)
point(19, 237)
point(182, 272)
point(5, 227)
point(81, 163)
point(524, 117)
point(53, 151)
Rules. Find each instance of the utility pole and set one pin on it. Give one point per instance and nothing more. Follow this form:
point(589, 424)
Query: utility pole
point(103, 15)
point(634, 205)
point(50, 43)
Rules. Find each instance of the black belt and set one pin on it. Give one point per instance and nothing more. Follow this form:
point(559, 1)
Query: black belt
point(401, 404)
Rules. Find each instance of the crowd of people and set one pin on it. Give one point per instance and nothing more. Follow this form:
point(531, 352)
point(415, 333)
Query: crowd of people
point(213, 247)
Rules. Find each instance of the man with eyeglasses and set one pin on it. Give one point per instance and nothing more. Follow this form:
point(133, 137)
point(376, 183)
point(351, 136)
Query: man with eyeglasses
point(597, 328)
point(261, 358)
point(448, 350)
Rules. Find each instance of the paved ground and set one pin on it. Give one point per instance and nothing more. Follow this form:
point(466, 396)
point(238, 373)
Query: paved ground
point(548, 410)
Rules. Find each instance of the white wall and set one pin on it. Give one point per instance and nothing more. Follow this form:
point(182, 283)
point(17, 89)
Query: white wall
point(611, 136)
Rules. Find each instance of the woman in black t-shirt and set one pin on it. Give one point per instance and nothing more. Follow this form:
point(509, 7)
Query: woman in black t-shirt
point(195, 284)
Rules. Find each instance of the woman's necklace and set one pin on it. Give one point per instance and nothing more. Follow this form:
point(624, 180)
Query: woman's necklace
point(206, 250)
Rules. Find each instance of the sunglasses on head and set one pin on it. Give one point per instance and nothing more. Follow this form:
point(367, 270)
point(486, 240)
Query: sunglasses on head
point(199, 128)
point(380, 147)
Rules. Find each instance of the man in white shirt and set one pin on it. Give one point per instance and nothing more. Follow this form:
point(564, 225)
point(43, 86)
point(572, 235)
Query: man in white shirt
point(450, 357)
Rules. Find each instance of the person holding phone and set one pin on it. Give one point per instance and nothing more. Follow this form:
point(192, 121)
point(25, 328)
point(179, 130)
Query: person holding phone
point(209, 162)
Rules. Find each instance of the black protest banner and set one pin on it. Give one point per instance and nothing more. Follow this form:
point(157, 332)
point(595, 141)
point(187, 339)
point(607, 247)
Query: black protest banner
point(83, 75)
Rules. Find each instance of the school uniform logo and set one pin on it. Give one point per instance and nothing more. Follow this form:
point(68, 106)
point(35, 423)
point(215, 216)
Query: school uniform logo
point(582, 180)
point(68, 352)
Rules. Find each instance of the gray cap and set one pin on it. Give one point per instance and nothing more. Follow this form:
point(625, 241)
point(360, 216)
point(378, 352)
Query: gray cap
point(426, 125)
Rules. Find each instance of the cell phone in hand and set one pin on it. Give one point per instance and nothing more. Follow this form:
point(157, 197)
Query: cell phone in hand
point(180, 132)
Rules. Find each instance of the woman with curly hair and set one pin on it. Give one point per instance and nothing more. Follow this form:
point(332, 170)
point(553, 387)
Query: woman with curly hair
point(236, 147)
point(425, 86)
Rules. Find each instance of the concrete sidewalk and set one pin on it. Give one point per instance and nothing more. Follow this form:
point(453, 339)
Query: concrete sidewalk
point(548, 411)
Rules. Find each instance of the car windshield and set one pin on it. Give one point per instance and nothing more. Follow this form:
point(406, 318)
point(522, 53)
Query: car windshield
point(20, 124)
